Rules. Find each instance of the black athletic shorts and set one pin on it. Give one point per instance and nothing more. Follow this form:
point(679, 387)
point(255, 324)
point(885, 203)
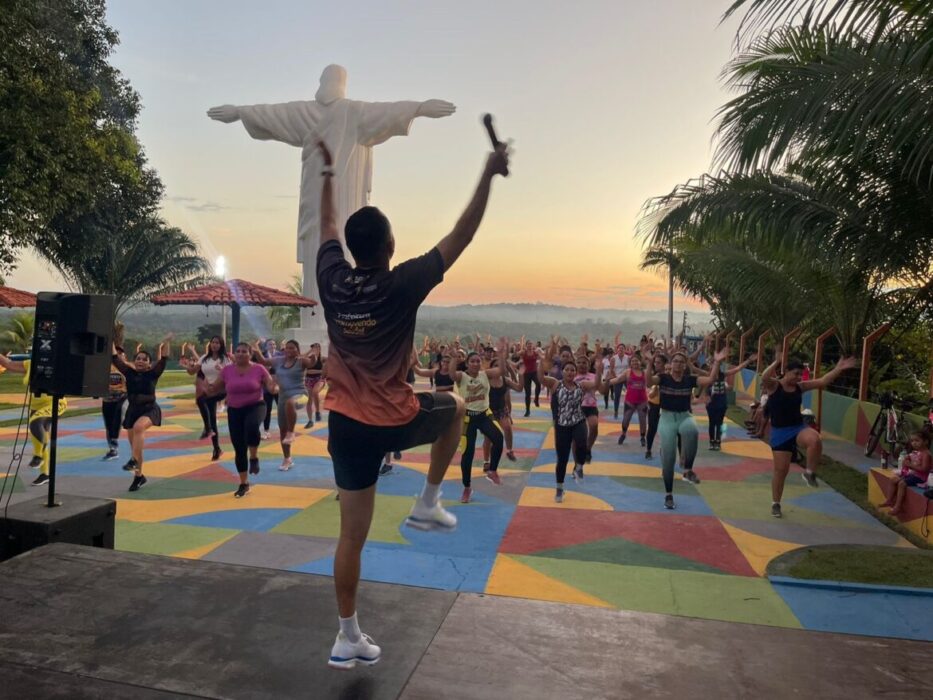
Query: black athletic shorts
point(590, 411)
point(357, 449)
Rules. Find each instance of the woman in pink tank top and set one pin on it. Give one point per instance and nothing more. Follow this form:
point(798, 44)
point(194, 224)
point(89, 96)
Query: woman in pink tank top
point(636, 398)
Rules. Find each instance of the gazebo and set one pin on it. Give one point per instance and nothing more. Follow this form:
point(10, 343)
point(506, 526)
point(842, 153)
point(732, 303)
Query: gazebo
point(16, 298)
point(235, 294)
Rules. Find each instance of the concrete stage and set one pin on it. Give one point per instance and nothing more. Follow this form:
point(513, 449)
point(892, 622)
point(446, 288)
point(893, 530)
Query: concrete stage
point(80, 622)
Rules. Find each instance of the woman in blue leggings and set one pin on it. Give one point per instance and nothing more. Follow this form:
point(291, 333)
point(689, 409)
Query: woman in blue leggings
point(676, 390)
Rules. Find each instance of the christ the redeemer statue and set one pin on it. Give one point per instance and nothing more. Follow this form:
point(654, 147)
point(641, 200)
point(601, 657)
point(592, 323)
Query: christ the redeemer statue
point(350, 129)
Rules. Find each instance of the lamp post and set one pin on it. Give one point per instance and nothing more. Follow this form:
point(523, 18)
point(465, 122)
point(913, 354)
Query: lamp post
point(220, 269)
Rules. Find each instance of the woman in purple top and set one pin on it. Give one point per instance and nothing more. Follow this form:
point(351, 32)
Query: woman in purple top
point(243, 382)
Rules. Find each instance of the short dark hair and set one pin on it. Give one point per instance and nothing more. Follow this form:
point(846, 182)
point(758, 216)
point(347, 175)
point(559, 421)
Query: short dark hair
point(367, 234)
point(792, 365)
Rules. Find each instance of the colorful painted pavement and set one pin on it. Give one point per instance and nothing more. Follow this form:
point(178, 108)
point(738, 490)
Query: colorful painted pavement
point(609, 544)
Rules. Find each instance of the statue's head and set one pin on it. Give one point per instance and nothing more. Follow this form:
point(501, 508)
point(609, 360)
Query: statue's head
point(333, 84)
point(369, 238)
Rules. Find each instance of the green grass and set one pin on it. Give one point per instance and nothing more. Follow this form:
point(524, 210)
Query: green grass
point(852, 484)
point(892, 566)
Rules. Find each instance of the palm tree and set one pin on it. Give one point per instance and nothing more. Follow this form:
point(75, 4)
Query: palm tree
point(147, 259)
point(19, 331)
point(283, 317)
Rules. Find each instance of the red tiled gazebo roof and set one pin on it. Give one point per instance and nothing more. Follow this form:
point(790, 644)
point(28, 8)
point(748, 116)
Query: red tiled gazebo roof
point(10, 297)
point(233, 293)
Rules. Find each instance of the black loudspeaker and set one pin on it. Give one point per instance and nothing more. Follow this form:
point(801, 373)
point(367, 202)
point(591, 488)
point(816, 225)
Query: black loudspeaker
point(72, 344)
point(80, 520)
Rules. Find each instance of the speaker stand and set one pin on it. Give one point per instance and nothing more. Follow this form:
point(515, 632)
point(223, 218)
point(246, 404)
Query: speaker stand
point(53, 453)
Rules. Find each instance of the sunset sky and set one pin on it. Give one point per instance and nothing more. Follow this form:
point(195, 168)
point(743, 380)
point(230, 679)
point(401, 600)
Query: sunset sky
point(608, 103)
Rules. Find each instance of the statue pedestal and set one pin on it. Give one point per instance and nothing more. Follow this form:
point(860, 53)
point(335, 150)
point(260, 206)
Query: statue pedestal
point(313, 330)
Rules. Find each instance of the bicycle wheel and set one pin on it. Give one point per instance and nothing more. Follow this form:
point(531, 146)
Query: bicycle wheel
point(874, 435)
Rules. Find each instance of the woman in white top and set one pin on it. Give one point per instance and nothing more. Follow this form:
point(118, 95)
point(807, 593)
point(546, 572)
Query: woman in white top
point(473, 386)
point(208, 368)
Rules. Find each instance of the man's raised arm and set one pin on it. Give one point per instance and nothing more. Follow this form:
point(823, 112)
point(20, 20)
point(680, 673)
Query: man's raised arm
point(455, 242)
point(329, 230)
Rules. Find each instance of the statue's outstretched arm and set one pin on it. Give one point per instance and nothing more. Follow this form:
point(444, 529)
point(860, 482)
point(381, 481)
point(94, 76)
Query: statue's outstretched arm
point(224, 113)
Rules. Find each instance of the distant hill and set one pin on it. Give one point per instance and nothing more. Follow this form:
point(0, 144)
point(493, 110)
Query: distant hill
point(148, 323)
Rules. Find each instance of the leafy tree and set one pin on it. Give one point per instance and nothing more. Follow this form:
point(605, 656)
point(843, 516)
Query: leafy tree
point(17, 335)
point(67, 117)
point(284, 317)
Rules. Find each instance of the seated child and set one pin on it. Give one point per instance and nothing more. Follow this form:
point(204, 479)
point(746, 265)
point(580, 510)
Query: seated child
point(916, 471)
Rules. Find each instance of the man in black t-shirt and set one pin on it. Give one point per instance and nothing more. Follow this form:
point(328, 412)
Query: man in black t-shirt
point(370, 311)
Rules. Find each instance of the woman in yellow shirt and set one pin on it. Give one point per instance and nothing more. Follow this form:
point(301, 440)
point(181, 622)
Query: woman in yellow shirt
point(40, 420)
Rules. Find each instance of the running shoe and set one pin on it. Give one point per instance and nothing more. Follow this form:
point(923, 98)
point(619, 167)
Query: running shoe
point(205, 434)
point(345, 654)
point(691, 476)
point(241, 491)
point(317, 416)
point(643, 441)
point(510, 455)
point(111, 454)
point(810, 478)
point(130, 465)
point(288, 439)
point(527, 413)
point(578, 472)
point(486, 467)
point(309, 425)
point(615, 415)
point(559, 496)
point(537, 404)
point(425, 517)
point(622, 438)
point(35, 462)
point(385, 469)
point(41, 479)
point(265, 435)
point(216, 455)
point(712, 446)
point(493, 476)
point(669, 502)
point(254, 466)
point(467, 495)
point(286, 464)
point(776, 510)
point(647, 454)
point(138, 482)
point(396, 455)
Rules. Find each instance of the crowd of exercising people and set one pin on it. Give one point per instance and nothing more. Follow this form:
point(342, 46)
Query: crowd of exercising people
point(659, 383)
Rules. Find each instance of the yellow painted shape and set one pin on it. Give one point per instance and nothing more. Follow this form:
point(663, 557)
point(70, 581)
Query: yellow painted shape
point(516, 580)
point(747, 448)
point(758, 550)
point(548, 443)
point(915, 527)
point(262, 496)
point(537, 497)
point(608, 469)
point(198, 552)
point(177, 465)
point(875, 494)
point(304, 446)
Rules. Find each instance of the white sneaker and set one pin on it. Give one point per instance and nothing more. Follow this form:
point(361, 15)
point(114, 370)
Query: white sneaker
point(286, 464)
point(424, 517)
point(345, 654)
point(265, 435)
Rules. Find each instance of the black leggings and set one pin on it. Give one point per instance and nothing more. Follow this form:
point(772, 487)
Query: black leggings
point(113, 418)
point(269, 399)
point(654, 415)
point(566, 436)
point(717, 414)
point(617, 390)
point(529, 380)
point(207, 405)
point(244, 431)
point(482, 423)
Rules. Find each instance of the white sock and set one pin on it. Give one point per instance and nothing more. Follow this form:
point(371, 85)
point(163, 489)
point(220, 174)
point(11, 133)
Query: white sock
point(350, 628)
point(429, 493)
